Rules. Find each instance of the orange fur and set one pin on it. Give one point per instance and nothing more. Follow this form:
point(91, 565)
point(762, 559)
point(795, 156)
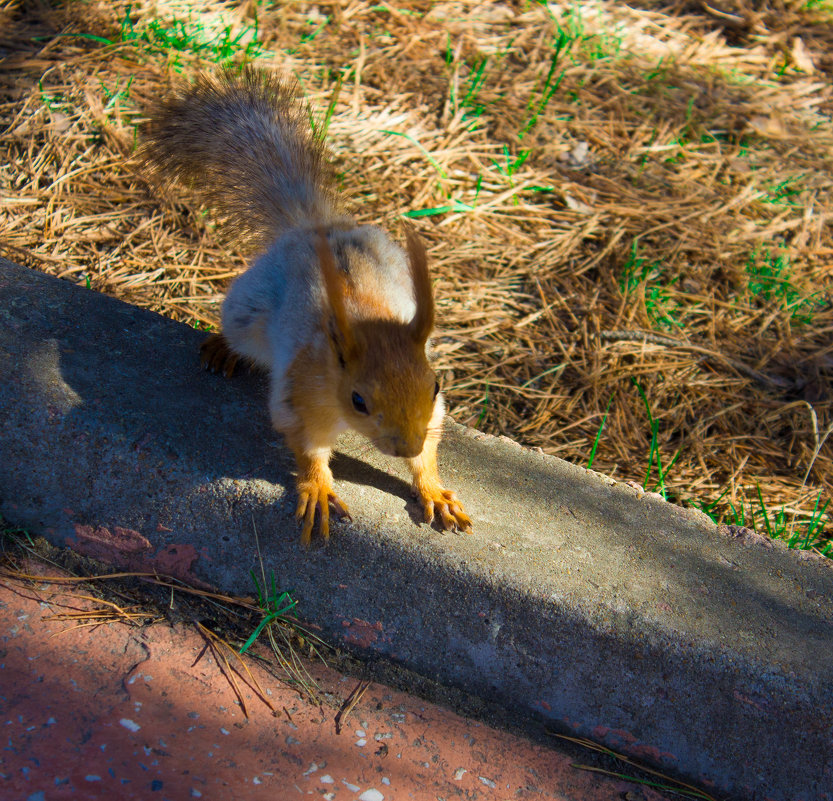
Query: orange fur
point(317, 423)
point(435, 499)
point(334, 285)
point(423, 322)
point(391, 373)
point(384, 361)
point(337, 312)
point(373, 305)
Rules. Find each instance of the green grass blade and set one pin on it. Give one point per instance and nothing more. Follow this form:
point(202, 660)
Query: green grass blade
point(548, 371)
point(764, 511)
point(476, 82)
point(321, 132)
point(455, 205)
point(484, 408)
point(425, 152)
point(260, 626)
point(90, 36)
point(598, 435)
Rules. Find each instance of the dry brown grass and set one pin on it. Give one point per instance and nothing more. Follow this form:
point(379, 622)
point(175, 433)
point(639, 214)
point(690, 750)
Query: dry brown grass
point(684, 143)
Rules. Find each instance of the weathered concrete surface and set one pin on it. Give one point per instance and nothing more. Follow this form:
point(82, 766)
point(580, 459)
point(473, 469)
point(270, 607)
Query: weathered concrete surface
point(592, 606)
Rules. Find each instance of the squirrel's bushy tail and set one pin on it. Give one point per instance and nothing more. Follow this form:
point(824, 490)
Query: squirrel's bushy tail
point(244, 143)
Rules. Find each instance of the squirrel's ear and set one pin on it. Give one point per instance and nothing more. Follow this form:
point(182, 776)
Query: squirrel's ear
point(423, 321)
point(338, 329)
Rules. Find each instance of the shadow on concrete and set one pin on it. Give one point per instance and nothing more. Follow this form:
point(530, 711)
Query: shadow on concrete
point(577, 603)
point(131, 713)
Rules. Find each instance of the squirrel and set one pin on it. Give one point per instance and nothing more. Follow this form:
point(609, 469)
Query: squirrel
point(338, 313)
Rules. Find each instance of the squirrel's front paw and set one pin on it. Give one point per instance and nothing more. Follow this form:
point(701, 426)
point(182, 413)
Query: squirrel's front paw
point(443, 503)
point(317, 494)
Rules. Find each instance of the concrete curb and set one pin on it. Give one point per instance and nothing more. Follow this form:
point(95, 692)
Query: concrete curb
point(588, 604)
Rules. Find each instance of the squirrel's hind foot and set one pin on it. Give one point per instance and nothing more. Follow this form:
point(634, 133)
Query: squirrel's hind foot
point(217, 356)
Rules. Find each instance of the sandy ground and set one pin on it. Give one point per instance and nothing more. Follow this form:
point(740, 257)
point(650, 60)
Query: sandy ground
point(134, 712)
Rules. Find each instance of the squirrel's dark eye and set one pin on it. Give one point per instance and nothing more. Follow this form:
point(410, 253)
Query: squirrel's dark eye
point(358, 403)
point(436, 388)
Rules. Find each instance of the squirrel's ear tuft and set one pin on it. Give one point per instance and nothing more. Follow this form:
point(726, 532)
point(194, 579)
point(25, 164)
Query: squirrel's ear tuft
point(337, 326)
point(423, 322)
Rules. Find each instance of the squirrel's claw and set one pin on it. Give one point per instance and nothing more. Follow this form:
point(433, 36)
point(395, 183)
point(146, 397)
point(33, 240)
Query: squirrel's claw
point(314, 495)
point(216, 356)
point(443, 503)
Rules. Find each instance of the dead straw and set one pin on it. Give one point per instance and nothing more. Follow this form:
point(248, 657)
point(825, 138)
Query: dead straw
point(674, 187)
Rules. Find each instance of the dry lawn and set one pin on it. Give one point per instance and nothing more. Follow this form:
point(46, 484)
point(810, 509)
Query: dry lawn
point(627, 207)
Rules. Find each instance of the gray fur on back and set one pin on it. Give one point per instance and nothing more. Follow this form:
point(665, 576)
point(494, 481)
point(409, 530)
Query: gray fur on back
point(277, 306)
